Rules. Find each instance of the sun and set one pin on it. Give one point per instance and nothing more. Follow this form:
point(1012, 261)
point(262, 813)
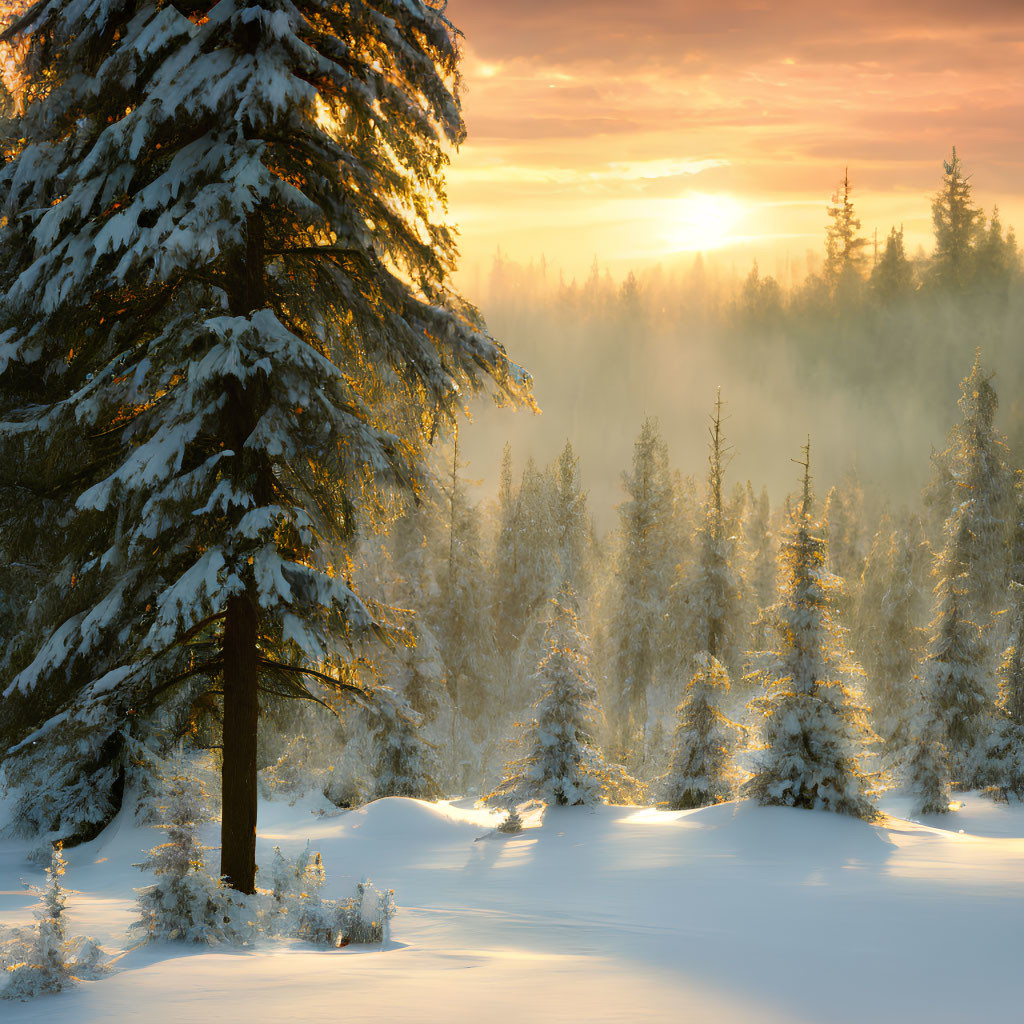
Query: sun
point(701, 221)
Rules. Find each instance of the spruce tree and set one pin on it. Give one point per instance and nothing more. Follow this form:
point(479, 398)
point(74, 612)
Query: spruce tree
point(405, 763)
point(230, 315)
point(956, 223)
point(972, 494)
point(562, 763)
point(927, 763)
point(844, 247)
point(711, 590)
point(525, 572)
point(185, 903)
point(44, 959)
point(813, 727)
point(996, 259)
point(892, 644)
point(571, 524)
point(702, 770)
point(465, 640)
point(762, 568)
point(892, 277)
point(956, 681)
point(844, 525)
point(644, 571)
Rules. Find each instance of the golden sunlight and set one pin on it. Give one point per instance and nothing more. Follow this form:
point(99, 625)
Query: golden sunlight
point(701, 222)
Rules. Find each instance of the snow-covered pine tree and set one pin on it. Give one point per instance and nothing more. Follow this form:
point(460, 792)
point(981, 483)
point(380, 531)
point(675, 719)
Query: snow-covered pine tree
point(571, 523)
point(1012, 682)
point(702, 770)
point(45, 968)
point(813, 726)
point(711, 591)
point(844, 527)
point(997, 762)
point(46, 959)
point(762, 567)
point(973, 487)
point(643, 575)
point(927, 763)
point(185, 903)
point(464, 638)
point(956, 683)
point(221, 234)
point(871, 588)
point(406, 764)
point(67, 702)
point(562, 764)
point(525, 575)
point(415, 699)
point(892, 644)
point(512, 824)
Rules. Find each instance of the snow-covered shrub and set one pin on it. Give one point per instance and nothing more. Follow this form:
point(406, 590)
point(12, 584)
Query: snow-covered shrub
point(185, 903)
point(366, 916)
point(43, 959)
point(299, 910)
point(513, 823)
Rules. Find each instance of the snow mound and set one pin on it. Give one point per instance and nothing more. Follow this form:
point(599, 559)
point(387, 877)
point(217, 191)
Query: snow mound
point(419, 820)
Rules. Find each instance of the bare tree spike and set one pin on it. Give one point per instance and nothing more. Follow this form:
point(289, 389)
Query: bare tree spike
point(805, 503)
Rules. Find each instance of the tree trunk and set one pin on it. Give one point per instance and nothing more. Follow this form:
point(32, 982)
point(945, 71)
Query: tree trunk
point(241, 715)
point(241, 625)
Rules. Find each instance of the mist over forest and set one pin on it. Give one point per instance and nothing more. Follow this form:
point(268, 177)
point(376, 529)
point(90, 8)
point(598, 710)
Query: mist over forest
point(868, 367)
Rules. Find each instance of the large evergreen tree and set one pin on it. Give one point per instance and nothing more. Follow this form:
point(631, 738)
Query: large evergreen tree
point(225, 267)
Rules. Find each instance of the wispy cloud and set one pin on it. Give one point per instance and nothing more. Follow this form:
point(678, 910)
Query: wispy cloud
point(597, 103)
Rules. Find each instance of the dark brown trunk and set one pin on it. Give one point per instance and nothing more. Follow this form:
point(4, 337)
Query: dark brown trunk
point(241, 715)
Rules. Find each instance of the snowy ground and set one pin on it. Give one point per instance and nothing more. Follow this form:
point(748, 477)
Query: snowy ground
point(728, 914)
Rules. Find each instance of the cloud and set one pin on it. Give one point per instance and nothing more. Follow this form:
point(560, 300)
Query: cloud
point(771, 100)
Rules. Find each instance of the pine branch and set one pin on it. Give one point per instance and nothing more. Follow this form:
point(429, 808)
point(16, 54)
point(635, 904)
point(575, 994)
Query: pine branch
point(299, 670)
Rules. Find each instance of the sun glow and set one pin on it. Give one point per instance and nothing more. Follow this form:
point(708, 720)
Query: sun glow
point(700, 221)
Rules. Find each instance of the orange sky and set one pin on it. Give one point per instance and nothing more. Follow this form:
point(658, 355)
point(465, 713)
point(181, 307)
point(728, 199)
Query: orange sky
point(635, 131)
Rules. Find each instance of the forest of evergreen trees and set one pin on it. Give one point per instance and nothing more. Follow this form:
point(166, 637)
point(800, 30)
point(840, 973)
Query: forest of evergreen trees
point(234, 513)
point(864, 350)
